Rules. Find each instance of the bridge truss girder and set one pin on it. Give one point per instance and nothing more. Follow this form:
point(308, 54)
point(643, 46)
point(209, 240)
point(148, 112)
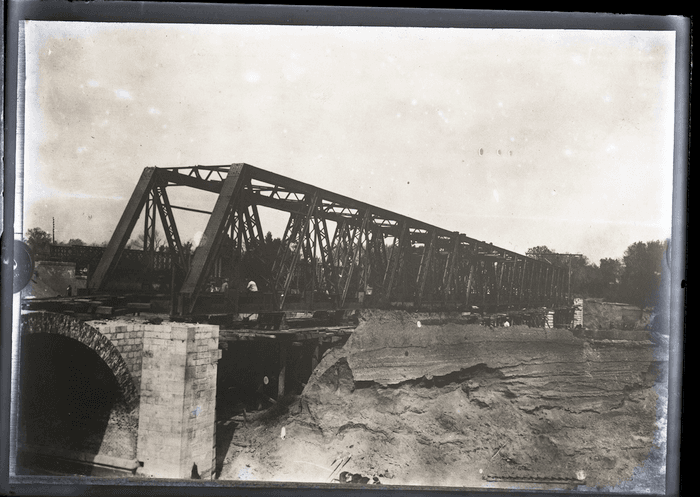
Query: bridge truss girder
point(333, 246)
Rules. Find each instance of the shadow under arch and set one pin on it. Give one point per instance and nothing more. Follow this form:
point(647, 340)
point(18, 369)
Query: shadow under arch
point(61, 324)
point(77, 399)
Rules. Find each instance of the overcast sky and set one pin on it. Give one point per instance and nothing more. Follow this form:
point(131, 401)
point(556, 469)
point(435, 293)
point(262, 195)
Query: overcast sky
point(576, 127)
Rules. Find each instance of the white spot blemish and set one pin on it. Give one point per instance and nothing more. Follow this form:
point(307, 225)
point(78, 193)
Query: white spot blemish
point(568, 152)
point(154, 111)
point(80, 150)
point(554, 192)
point(418, 324)
point(252, 77)
point(197, 239)
point(414, 102)
point(607, 99)
point(578, 59)
point(123, 95)
point(93, 83)
point(495, 195)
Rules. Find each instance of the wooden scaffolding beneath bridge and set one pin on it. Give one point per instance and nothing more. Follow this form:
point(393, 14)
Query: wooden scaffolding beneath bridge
point(336, 252)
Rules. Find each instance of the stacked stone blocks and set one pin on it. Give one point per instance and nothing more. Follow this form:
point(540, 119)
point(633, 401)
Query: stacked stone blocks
point(128, 339)
point(178, 400)
point(169, 371)
point(91, 335)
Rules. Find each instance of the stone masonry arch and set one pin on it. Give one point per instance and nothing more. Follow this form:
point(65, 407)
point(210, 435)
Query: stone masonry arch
point(61, 324)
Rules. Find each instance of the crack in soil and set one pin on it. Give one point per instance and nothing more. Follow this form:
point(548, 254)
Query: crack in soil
point(361, 426)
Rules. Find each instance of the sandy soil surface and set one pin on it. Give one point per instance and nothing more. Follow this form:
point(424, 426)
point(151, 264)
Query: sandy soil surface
point(415, 400)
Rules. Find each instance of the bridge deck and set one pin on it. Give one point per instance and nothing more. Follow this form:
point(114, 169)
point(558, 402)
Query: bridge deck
point(326, 333)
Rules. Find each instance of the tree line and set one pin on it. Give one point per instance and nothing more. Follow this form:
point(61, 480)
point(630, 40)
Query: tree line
point(634, 278)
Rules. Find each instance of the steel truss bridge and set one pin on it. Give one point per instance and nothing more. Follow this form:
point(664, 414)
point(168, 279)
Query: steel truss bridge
point(336, 252)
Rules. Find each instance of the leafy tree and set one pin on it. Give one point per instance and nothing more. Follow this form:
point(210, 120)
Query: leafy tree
point(540, 252)
point(75, 241)
point(39, 241)
point(188, 248)
point(641, 277)
point(138, 244)
point(585, 277)
point(610, 277)
point(256, 263)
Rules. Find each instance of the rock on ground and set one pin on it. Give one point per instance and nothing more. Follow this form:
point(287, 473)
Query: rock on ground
point(449, 404)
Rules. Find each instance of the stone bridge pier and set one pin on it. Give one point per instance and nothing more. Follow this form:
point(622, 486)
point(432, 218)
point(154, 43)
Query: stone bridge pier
point(166, 379)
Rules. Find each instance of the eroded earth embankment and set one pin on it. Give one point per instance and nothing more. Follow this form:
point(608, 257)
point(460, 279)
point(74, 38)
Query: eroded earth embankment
point(416, 401)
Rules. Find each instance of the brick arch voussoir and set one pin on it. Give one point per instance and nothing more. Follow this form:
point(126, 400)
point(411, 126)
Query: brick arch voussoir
point(61, 324)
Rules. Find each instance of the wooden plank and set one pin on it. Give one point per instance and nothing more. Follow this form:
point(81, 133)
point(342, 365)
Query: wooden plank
point(139, 305)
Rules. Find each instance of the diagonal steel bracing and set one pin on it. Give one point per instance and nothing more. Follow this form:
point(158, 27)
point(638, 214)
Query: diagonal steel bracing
point(451, 263)
point(171, 234)
point(333, 244)
point(123, 231)
point(425, 267)
point(396, 262)
point(288, 256)
point(222, 215)
point(352, 255)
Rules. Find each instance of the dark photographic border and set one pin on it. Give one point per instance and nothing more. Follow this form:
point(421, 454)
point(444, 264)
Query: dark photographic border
point(221, 13)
